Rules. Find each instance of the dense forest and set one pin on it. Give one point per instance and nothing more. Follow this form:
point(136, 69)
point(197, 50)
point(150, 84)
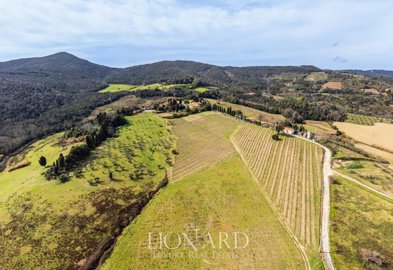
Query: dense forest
point(43, 95)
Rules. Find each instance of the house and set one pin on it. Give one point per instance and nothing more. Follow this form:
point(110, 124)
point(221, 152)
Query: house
point(289, 131)
point(310, 135)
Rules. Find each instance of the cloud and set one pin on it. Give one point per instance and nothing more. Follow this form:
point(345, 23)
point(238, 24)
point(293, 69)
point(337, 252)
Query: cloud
point(226, 32)
point(339, 59)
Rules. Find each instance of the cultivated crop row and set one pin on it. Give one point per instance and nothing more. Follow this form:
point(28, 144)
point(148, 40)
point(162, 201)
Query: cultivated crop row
point(202, 142)
point(290, 173)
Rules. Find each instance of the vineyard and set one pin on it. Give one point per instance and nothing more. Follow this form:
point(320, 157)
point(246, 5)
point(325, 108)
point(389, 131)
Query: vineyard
point(366, 120)
point(220, 198)
point(203, 140)
point(290, 173)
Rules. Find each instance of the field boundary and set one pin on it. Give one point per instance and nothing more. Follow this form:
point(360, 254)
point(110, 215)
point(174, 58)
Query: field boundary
point(295, 240)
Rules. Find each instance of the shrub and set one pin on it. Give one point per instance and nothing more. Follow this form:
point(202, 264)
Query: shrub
point(275, 137)
point(63, 178)
point(42, 161)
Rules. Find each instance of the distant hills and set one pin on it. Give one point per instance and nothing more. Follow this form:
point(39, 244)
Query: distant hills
point(42, 95)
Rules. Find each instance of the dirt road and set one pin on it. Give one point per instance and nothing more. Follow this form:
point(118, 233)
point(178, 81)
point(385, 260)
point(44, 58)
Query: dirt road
point(327, 172)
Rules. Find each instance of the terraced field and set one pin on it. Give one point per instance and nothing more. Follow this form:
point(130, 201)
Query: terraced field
point(220, 198)
point(290, 173)
point(203, 140)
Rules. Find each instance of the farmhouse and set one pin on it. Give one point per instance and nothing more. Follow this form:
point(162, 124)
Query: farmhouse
point(193, 105)
point(289, 131)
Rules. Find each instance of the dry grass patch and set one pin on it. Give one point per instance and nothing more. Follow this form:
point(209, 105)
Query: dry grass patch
point(332, 85)
point(379, 134)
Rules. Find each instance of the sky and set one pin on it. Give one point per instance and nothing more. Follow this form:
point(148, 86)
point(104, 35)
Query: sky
point(334, 34)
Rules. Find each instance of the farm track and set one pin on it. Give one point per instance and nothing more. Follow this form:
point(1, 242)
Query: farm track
point(327, 172)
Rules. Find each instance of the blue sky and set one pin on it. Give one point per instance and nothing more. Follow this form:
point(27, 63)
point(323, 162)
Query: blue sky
point(334, 34)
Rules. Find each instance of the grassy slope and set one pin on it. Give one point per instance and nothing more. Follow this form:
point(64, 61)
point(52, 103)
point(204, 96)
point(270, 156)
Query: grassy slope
point(316, 76)
point(370, 173)
point(48, 225)
point(360, 219)
point(224, 195)
point(113, 88)
point(250, 112)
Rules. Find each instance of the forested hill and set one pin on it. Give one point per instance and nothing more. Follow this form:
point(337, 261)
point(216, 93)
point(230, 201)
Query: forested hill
point(42, 95)
point(47, 94)
point(183, 71)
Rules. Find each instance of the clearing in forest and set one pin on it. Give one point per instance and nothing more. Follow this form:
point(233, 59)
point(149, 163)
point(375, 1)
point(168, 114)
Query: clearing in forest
point(290, 172)
point(332, 85)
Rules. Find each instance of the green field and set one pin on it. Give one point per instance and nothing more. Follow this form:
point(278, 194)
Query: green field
point(316, 76)
point(220, 198)
point(373, 174)
point(251, 113)
point(290, 173)
point(49, 225)
point(113, 88)
point(361, 222)
point(126, 87)
point(366, 120)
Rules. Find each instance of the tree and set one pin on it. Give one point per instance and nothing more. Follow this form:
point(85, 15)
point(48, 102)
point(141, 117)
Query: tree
point(276, 137)
point(279, 127)
point(42, 161)
point(61, 161)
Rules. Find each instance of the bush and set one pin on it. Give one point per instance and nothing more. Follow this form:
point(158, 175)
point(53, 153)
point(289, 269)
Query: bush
point(42, 161)
point(355, 165)
point(63, 178)
point(275, 137)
